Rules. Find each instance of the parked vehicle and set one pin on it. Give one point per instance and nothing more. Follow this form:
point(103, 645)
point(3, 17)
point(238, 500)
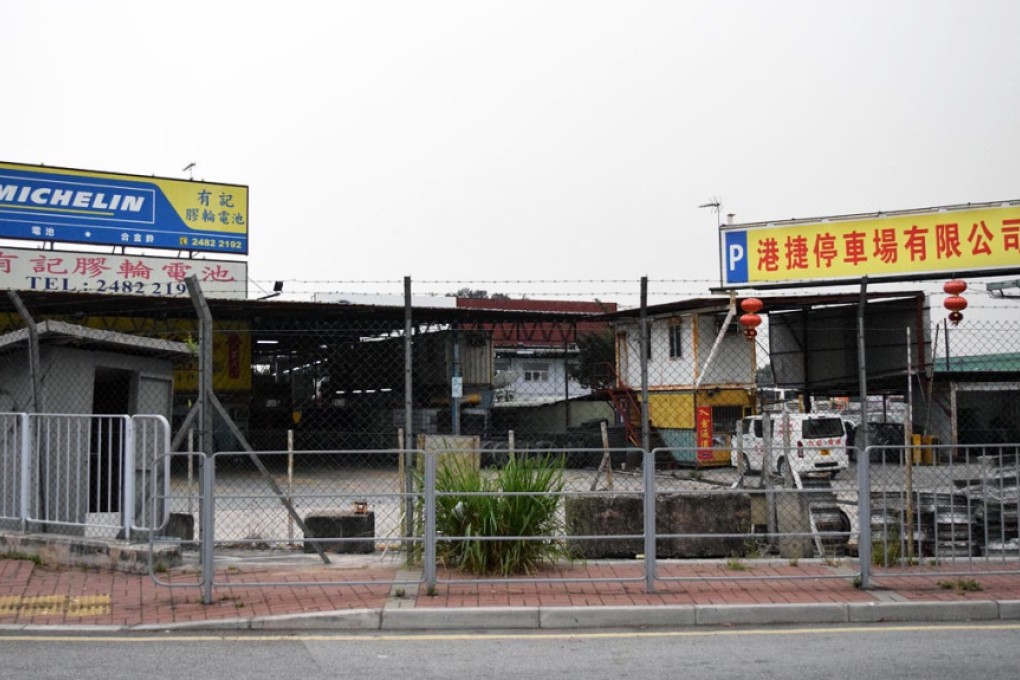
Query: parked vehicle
point(808, 443)
point(888, 436)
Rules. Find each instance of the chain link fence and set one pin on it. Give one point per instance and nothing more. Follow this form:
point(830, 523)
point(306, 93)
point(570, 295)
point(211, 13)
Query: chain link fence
point(750, 446)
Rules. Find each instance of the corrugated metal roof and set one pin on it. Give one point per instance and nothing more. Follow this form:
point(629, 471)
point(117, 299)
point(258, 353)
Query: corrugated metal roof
point(66, 334)
point(773, 303)
point(53, 303)
point(979, 363)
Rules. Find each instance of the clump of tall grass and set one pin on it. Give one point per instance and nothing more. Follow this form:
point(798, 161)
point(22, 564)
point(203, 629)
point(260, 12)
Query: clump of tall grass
point(485, 534)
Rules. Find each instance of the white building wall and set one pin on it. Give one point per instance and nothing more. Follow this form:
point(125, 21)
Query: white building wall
point(554, 385)
point(734, 360)
point(732, 364)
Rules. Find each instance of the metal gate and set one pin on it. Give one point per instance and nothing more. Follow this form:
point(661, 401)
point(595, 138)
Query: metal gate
point(83, 475)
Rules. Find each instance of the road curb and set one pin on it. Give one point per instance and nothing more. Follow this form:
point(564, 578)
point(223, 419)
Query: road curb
point(1009, 610)
point(740, 614)
point(449, 619)
point(876, 612)
point(616, 617)
point(574, 618)
point(354, 619)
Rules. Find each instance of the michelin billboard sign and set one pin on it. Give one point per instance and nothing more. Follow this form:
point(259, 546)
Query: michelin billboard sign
point(904, 245)
point(40, 203)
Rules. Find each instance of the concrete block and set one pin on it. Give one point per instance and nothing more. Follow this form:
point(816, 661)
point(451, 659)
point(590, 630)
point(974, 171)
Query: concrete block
point(341, 525)
point(792, 518)
point(606, 516)
point(98, 553)
point(181, 525)
point(728, 517)
point(705, 514)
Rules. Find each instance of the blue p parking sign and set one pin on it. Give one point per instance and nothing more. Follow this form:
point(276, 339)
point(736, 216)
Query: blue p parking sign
point(735, 257)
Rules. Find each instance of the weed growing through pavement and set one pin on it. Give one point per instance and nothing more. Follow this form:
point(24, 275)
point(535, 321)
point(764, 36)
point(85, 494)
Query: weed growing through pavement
point(961, 585)
point(752, 550)
point(34, 559)
point(735, 564)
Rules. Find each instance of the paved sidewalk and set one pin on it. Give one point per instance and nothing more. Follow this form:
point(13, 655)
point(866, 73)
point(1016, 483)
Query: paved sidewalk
point(601, 594)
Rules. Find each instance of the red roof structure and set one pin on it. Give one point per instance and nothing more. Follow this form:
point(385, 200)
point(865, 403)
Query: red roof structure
point(554, 332)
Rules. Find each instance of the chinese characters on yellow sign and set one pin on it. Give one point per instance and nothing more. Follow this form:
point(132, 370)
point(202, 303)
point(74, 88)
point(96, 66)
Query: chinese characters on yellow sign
point(895, 245)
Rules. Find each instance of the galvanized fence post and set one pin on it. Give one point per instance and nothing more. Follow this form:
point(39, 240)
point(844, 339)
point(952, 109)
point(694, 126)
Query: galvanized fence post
point(863, 455)
point(648, 470)
point(648, 458)
point(408, 444)
point(430, 519)
point(864, 516)
point(26, 470)
point(128, 475)
point(643, 348)
point(208, 529)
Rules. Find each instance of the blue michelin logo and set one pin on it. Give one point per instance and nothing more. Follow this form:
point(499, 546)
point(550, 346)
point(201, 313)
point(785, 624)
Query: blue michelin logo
point(735, 256)
point(34, 197)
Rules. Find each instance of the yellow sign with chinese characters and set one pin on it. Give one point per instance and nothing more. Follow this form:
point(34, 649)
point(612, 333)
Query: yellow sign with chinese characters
point(894, 245)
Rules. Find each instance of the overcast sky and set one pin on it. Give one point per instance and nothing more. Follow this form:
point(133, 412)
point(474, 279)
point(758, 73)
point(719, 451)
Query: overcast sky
point(482, 141)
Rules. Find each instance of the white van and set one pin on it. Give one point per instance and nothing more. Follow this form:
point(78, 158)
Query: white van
point(808, 442)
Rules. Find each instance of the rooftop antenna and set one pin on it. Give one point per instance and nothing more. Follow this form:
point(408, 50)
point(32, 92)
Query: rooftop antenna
point(190, 169)
point(717, 207)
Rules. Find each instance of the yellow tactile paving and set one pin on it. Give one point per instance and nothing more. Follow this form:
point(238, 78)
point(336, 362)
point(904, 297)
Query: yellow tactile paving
point(49, 605)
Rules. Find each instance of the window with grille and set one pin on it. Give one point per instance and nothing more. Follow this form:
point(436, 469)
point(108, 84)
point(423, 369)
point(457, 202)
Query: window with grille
point(536, 372)
point(676, 339)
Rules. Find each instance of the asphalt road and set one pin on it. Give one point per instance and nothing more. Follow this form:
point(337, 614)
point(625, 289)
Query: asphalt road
point(876, 652)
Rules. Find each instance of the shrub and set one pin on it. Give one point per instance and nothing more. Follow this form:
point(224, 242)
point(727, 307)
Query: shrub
point(520, 500)
point(885, 549)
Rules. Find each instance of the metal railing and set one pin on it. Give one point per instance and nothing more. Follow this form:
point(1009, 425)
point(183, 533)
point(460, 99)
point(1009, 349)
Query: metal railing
point(894, 511)
point(86, 475)
point(636, 510)
point(950, 508)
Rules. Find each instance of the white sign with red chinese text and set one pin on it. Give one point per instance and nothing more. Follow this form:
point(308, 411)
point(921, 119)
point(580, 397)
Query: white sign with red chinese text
point(64, 271)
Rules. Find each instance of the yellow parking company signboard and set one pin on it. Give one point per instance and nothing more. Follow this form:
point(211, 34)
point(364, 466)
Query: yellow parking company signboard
point(908, 244)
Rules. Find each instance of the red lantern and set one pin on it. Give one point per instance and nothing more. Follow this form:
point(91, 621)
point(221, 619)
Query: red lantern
point(954, 287)
point(955, 303)
point(751, 305)
point(750, 322)
point(750, 319)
